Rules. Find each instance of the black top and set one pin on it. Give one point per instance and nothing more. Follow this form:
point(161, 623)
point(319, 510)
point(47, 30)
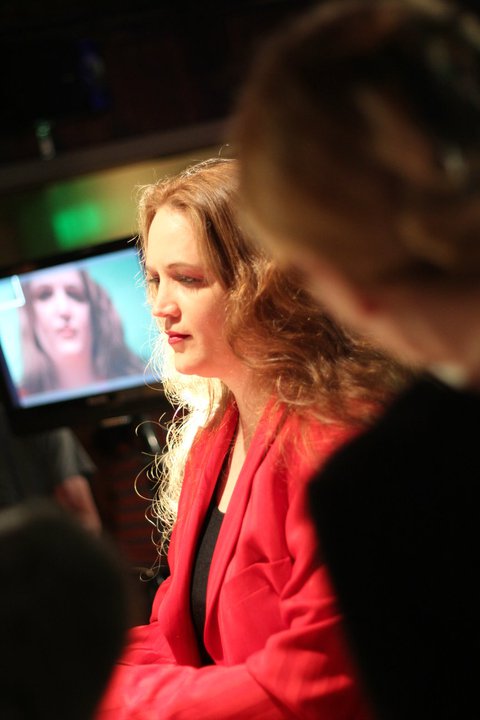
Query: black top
point(397, 512)
point(201, 569)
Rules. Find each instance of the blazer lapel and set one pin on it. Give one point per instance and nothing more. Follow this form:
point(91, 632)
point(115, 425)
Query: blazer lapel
point(211, 457)
point(208, 459)
point(232, 523)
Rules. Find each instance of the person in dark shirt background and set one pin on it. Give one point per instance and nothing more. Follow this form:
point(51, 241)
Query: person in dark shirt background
point(50, 463)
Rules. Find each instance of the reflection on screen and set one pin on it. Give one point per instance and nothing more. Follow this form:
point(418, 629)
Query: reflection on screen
point(75, 329)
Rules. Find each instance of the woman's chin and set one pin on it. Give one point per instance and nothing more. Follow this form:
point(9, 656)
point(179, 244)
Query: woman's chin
point(193, 368)
point(70, 350)
point(185, 368)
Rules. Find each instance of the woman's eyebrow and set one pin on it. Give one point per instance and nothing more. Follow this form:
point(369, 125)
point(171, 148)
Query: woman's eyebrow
point(40, 287)
point(183, 264)
point(175, 265)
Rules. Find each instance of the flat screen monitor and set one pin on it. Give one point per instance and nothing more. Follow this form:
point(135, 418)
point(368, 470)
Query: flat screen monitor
point(75, 338)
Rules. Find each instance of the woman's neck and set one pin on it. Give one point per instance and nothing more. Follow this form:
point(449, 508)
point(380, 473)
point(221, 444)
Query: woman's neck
point(75, 372)
point(458, 325)
point(251, 404)
point(436, 328)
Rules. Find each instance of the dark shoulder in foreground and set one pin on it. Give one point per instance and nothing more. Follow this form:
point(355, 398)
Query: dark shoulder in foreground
point(396, 513)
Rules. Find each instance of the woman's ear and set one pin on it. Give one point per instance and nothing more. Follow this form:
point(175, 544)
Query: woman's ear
point(350, 303)
point(381, 313)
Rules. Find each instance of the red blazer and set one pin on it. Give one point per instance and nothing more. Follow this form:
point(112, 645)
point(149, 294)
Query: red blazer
point(271, 626)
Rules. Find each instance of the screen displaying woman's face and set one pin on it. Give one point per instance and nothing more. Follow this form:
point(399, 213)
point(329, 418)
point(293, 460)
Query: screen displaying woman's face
point(62, 314)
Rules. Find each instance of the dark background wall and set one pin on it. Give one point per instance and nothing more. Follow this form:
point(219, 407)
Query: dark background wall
point(90, 85)
point(100, 71)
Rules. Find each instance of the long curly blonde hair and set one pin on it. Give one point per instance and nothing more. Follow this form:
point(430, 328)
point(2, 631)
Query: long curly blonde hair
point(299, 355)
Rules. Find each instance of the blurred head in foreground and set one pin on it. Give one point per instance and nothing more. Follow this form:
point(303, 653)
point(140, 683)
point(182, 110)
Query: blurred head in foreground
point(63, 615)
point(358, 134)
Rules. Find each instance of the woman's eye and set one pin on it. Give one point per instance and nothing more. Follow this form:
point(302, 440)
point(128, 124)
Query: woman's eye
point(43, 293)
point(189, 280)
point(152, 284)
point(77, 294)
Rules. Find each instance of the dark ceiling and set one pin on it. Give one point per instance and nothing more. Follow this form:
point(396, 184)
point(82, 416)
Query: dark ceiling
point(86, 73)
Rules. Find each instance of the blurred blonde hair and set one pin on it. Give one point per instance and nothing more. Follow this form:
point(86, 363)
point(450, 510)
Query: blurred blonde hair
point(359, 139)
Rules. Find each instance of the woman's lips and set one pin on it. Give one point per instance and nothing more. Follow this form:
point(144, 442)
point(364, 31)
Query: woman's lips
point(175, 338)
point(67, 332)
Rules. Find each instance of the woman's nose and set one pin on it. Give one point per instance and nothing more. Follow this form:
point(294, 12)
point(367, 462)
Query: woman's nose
point(63, 303)
point(164, 306)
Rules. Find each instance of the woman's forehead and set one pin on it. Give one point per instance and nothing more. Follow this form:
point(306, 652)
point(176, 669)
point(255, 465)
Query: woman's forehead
point(64, 276)
point(172, 238)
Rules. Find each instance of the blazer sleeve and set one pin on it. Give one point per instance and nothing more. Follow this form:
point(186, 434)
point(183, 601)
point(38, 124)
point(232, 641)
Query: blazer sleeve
point(307, 667)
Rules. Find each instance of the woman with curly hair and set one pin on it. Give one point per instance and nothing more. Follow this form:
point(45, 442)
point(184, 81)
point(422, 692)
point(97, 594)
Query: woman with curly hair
point(266, 386)
point(71, 333)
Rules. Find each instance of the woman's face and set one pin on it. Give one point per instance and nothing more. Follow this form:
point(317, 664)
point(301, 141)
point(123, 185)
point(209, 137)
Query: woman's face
point(62, 313)
point(187, 299)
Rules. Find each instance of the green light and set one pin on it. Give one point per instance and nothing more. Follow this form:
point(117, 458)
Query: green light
point(84, 210)
point(76, 224)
